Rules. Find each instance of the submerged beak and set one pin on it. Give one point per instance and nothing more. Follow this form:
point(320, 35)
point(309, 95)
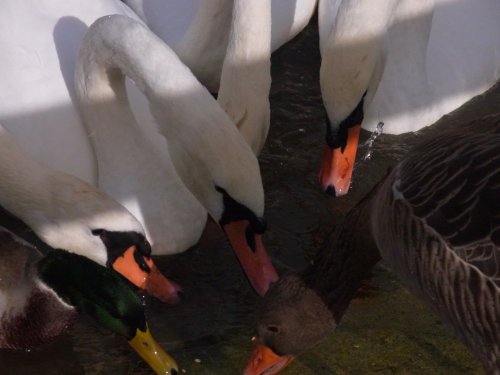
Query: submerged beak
point(252, 256)
point(153, 282)
point(263, 361)
point(337, 165)
point(153, 354)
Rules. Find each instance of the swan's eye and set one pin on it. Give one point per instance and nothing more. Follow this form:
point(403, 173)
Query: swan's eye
point(139, 259)
point(273, 328)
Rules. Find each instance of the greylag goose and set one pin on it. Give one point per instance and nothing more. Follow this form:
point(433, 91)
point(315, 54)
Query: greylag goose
point(40, 296)
point(435, 221)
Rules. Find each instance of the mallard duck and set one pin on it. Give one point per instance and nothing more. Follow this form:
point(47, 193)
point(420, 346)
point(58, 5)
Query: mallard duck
point(40, 297)
point(435, 220)
point(399, 66)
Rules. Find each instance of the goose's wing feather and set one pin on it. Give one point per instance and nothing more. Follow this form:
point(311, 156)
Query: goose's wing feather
point(452, 183)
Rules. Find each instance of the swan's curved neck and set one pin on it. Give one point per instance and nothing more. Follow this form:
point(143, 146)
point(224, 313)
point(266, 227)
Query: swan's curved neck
point(207, 36)
point(246, 73)
point(25, 191)
point(196, 128)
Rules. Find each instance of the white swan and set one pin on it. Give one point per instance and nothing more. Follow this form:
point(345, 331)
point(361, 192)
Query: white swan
point(401, 63)
point(210, 155)
point(198, 30)
point(67, 213)
point(36, 90)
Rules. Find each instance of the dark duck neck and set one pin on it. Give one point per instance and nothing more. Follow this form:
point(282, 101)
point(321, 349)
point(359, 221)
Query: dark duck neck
point(345, 260)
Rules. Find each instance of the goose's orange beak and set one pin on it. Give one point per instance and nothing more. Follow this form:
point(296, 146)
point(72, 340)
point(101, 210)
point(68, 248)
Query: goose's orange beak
point(337, 165)
point(263, 361)
point(252, 255)
point(153, 282)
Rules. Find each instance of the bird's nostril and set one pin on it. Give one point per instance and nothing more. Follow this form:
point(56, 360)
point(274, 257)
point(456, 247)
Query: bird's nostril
point(330, 190)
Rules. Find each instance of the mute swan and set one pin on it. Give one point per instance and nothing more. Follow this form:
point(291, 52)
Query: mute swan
point(435, 220)
point(67, 213)
point(36, 106)
point(198, 30)
point(210, 155)
point(403, 64)
point(39, 297)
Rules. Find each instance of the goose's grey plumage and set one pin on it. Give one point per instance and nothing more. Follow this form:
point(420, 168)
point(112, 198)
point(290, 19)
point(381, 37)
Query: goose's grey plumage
point(435, 220)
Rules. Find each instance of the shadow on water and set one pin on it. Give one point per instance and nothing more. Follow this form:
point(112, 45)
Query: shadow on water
point(385, 331)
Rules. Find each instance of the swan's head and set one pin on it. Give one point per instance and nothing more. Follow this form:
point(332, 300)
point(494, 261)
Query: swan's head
point(340, 152)
point(353, 60)
point(221, 170)
point(85, 221)
point(344, 76)
point(238, 206)
point(244, 229)
point(291, 319)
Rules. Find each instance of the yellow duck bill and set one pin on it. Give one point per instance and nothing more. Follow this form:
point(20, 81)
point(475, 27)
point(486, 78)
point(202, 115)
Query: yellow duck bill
point(153, 354)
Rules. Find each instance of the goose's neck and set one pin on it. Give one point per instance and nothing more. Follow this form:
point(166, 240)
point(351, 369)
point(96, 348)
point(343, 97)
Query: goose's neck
point(339, 267)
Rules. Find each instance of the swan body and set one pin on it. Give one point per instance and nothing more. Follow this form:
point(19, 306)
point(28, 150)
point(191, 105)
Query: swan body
point(221, 169)
point(435, 221)
point(37, 107)
point(403, 64)
point(67, 213)
point(39, 296)
point(198, 30)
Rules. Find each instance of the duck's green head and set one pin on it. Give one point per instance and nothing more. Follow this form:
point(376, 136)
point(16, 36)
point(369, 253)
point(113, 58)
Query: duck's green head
point(108, 299)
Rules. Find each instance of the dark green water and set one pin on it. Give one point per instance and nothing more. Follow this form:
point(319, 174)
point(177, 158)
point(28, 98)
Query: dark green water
point(385, 331)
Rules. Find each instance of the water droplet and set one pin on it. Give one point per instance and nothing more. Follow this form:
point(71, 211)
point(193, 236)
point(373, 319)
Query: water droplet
point(369, 143)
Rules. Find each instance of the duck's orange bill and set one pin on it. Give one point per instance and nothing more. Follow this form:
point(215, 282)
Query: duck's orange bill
point(254, 261)
point(264, 361)
point(337, 165)
point(153, 282)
